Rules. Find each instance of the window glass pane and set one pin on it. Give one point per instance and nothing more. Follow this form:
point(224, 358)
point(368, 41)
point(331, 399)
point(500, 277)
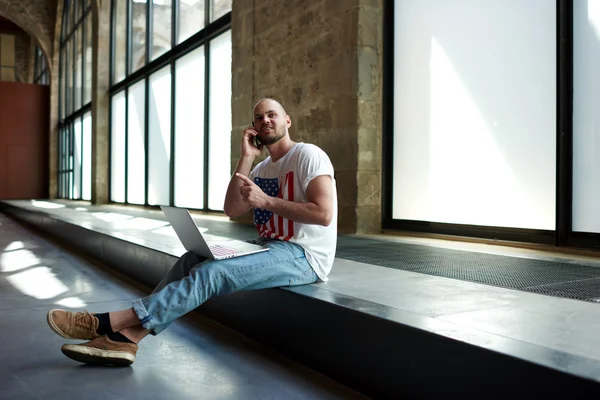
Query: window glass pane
point(87, 89)
point(70, 161)
point(191, 18)
point(120, 40)
point(117, 148)
point(159, 137)
point(138, 34)
point(189, 135)
point(586, 119)
point(63, 82)
point(470, 145)
point(79, 8)
point(219, 131)
point(78, 68)
point(69, 67)
point(219, 8)
point(36, 65)
point(136, 158)
point(161, 37)
point(71, 16)
point(86, 187)
point(67, 21)
point(77, 159)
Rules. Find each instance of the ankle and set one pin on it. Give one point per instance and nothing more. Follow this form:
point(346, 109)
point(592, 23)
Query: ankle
point(104, 326)
point(119, 337)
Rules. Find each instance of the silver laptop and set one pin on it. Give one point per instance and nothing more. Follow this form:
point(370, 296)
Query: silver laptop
point(192, 239)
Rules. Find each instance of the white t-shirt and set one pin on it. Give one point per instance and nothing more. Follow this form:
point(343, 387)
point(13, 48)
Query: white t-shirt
point(288, 179)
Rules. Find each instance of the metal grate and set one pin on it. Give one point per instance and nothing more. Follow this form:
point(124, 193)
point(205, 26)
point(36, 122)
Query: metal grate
point(560, 279)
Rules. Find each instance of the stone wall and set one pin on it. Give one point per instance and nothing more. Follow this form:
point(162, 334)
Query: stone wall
point(22, 53)
point(36, 17)
point(322, 60)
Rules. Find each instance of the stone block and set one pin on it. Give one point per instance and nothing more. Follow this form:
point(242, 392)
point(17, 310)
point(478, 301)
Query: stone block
point(346, 185)
point(346, 220)
point(369, 28)
point(369, 188)
point(333, 8)
point(369, 150)
point(368, 219)
point(369, 71)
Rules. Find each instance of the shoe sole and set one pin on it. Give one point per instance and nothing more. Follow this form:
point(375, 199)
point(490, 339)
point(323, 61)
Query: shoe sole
point(91, 355)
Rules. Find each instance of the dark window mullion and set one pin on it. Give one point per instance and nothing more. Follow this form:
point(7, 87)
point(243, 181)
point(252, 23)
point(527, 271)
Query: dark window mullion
point(149, 29)
point(564, 122)
point(113, 34)
point(174, 23)
point(83, 44)
point(58, 144)
point(126, 142)
point(128, 46)
point(149, 25)
point(71, 159)
point(206, 119)
point(172, 149)
point(81, 161)
point(207, 13)
point(146, 139)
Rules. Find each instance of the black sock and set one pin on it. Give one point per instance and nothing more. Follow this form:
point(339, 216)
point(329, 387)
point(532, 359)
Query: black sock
point(104, 324)
point(117, 337)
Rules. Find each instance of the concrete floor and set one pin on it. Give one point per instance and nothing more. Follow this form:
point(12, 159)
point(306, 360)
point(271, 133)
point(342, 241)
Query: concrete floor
point(194, 358)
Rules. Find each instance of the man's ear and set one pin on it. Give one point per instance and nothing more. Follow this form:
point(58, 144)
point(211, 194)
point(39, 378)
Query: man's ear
point(288, 121)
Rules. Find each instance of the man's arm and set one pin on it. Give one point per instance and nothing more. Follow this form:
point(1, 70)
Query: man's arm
point(234, 204)
point(317, 211)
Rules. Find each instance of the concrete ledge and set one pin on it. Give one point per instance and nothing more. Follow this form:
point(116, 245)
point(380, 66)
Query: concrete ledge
point(380, 351)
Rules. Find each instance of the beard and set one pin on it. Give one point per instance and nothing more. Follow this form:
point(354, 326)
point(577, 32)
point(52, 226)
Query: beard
point(277, 133)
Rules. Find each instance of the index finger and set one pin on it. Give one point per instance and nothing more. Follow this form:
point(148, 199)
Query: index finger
point(244, 178)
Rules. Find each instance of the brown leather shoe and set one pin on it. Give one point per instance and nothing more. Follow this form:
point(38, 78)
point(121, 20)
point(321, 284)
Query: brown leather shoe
point(73, 325)
point(102, 350)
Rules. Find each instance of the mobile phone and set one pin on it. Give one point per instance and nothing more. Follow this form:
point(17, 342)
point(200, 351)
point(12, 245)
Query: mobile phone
point(255, 139)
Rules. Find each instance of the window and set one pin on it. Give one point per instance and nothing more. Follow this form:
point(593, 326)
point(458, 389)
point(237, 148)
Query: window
point(75, 84)
point(508, 152)
point(40, 70)
point(170, 107)
point(471, 147)
point(7, 58)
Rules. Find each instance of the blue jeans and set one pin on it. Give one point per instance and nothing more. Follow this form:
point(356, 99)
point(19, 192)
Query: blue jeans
point(193, 279)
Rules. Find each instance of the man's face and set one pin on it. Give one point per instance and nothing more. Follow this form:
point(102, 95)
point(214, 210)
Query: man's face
point(270, 122)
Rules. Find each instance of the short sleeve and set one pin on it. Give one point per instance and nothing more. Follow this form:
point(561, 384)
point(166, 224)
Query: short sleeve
point(314, 162)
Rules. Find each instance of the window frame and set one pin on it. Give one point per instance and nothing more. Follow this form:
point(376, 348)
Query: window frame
point(201, 38)
point(73, 19)
point(563, 234)
point(40, 69)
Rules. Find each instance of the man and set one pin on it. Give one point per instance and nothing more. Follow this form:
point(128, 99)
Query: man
point(295, 212)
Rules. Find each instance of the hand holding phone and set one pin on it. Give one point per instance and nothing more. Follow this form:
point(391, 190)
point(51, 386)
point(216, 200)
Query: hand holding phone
point(251, 145)
point(256, 140)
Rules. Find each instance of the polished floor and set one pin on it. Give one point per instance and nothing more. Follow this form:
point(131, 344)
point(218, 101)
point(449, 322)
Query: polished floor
point(193, 359)
point(559, 333)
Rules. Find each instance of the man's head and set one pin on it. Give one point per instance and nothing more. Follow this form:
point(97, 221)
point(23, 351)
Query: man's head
point(270, 121)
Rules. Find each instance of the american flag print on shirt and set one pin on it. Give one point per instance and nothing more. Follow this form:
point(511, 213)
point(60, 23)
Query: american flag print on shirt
point(272, 225)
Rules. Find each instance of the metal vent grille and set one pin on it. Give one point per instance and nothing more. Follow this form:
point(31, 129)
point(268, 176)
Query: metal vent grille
point(560, 279)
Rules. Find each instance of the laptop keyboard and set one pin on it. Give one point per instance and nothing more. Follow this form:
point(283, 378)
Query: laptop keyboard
point(219, 250)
